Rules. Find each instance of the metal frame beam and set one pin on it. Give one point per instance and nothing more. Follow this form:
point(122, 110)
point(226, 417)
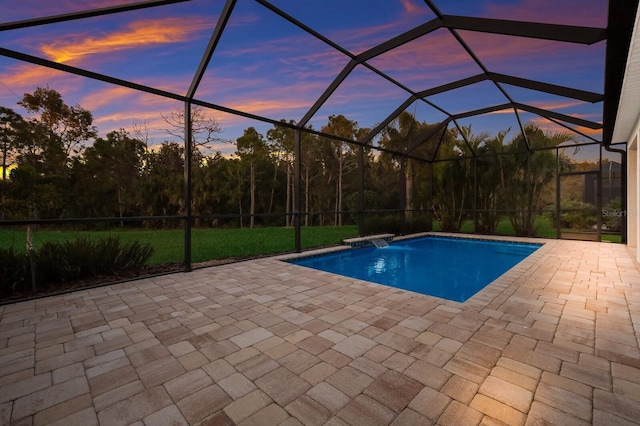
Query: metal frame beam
point(131, 85)
point(415, 146)
point(480, 111)
point(86, 14)
point(555, 32)
point(213, 43)
point(563, 117)
point(565, 33)
point(188, 135)
point(453, 85)
point(389, 119)
point(553, 89)
point(188, 127)
point(328, 92)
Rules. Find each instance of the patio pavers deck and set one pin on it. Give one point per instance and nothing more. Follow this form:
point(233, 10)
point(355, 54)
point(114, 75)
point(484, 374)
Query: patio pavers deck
point(264, 342)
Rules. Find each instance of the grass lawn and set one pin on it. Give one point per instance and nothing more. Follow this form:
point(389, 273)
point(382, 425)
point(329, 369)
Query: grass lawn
point(207, 244)
point(544, 229)
point(214, 244)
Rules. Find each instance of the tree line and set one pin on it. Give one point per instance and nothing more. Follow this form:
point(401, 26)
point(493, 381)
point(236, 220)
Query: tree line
point(55, 165)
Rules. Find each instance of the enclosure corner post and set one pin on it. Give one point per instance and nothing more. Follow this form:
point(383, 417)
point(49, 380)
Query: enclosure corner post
point(558, 201)
point(431, 210)
point(187, 186)
point(623, 189)
point(403, 196)
point(297, 205)
point(599, 200)
point(623, 196)
point(361, 191)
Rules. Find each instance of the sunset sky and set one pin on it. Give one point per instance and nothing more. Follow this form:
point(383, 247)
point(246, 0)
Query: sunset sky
point(267, 66)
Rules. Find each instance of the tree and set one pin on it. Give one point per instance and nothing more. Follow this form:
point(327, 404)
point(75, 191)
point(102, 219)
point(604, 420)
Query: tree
point(205, 129)
point(457, 181)
point(11, 125)
point(252, 148)
point(406, 134)
point(71, 125)
point(163, 180)
point(45, 150)
point(344, 128)
point(40, 184)
point(312, 170)
point(282, 141)
point(111, 173)
point(214, 187)
point(491, 184)
point(528, 172)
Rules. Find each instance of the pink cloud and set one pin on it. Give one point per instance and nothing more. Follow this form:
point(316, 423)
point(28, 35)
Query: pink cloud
point(25, 78)
point(268, 107)
point(551, 127)
point(552, 106)
point(410, 8)
point(138, 34)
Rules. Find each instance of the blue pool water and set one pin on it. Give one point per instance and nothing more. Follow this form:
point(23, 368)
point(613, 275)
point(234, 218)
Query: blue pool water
point(450, 268)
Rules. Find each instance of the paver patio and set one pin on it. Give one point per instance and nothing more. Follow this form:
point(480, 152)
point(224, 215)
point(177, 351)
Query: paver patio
point(264, 342)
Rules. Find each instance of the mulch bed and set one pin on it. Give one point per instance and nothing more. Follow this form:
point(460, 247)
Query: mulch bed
point(51, 289)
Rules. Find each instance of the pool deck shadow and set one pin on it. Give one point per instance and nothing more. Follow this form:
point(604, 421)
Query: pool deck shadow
point(266, 342)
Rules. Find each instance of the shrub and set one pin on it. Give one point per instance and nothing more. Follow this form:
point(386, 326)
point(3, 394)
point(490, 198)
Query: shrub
point(574, 214)
point(382, 225)
point(613, 215)
point(83, 258)
point(14, 271)
point(392, 224)
point(419, 224)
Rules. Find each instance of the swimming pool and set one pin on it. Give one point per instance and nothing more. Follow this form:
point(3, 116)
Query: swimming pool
point(450, 268)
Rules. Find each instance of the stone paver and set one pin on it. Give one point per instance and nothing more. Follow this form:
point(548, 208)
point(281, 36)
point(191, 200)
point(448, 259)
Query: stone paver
point(282, 385)
point(247, 406)
point(553, 341)
point(364, 410)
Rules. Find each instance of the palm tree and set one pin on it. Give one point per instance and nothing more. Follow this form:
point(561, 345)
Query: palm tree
point(529, 168)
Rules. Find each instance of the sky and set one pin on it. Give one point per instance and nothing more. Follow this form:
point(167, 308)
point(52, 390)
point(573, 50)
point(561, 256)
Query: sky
point(267, 66)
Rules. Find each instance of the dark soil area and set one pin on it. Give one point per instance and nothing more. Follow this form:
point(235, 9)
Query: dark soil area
point(51, 289)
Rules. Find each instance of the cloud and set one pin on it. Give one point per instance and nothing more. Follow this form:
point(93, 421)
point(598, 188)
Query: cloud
point(136, 35)
point(551, 127)
point(546, 106)
point(115, 108)
point(26, 76)
point(556, 105)
point(436, 49)
point(106, 97)
point(412, 9)
point(269, 107)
